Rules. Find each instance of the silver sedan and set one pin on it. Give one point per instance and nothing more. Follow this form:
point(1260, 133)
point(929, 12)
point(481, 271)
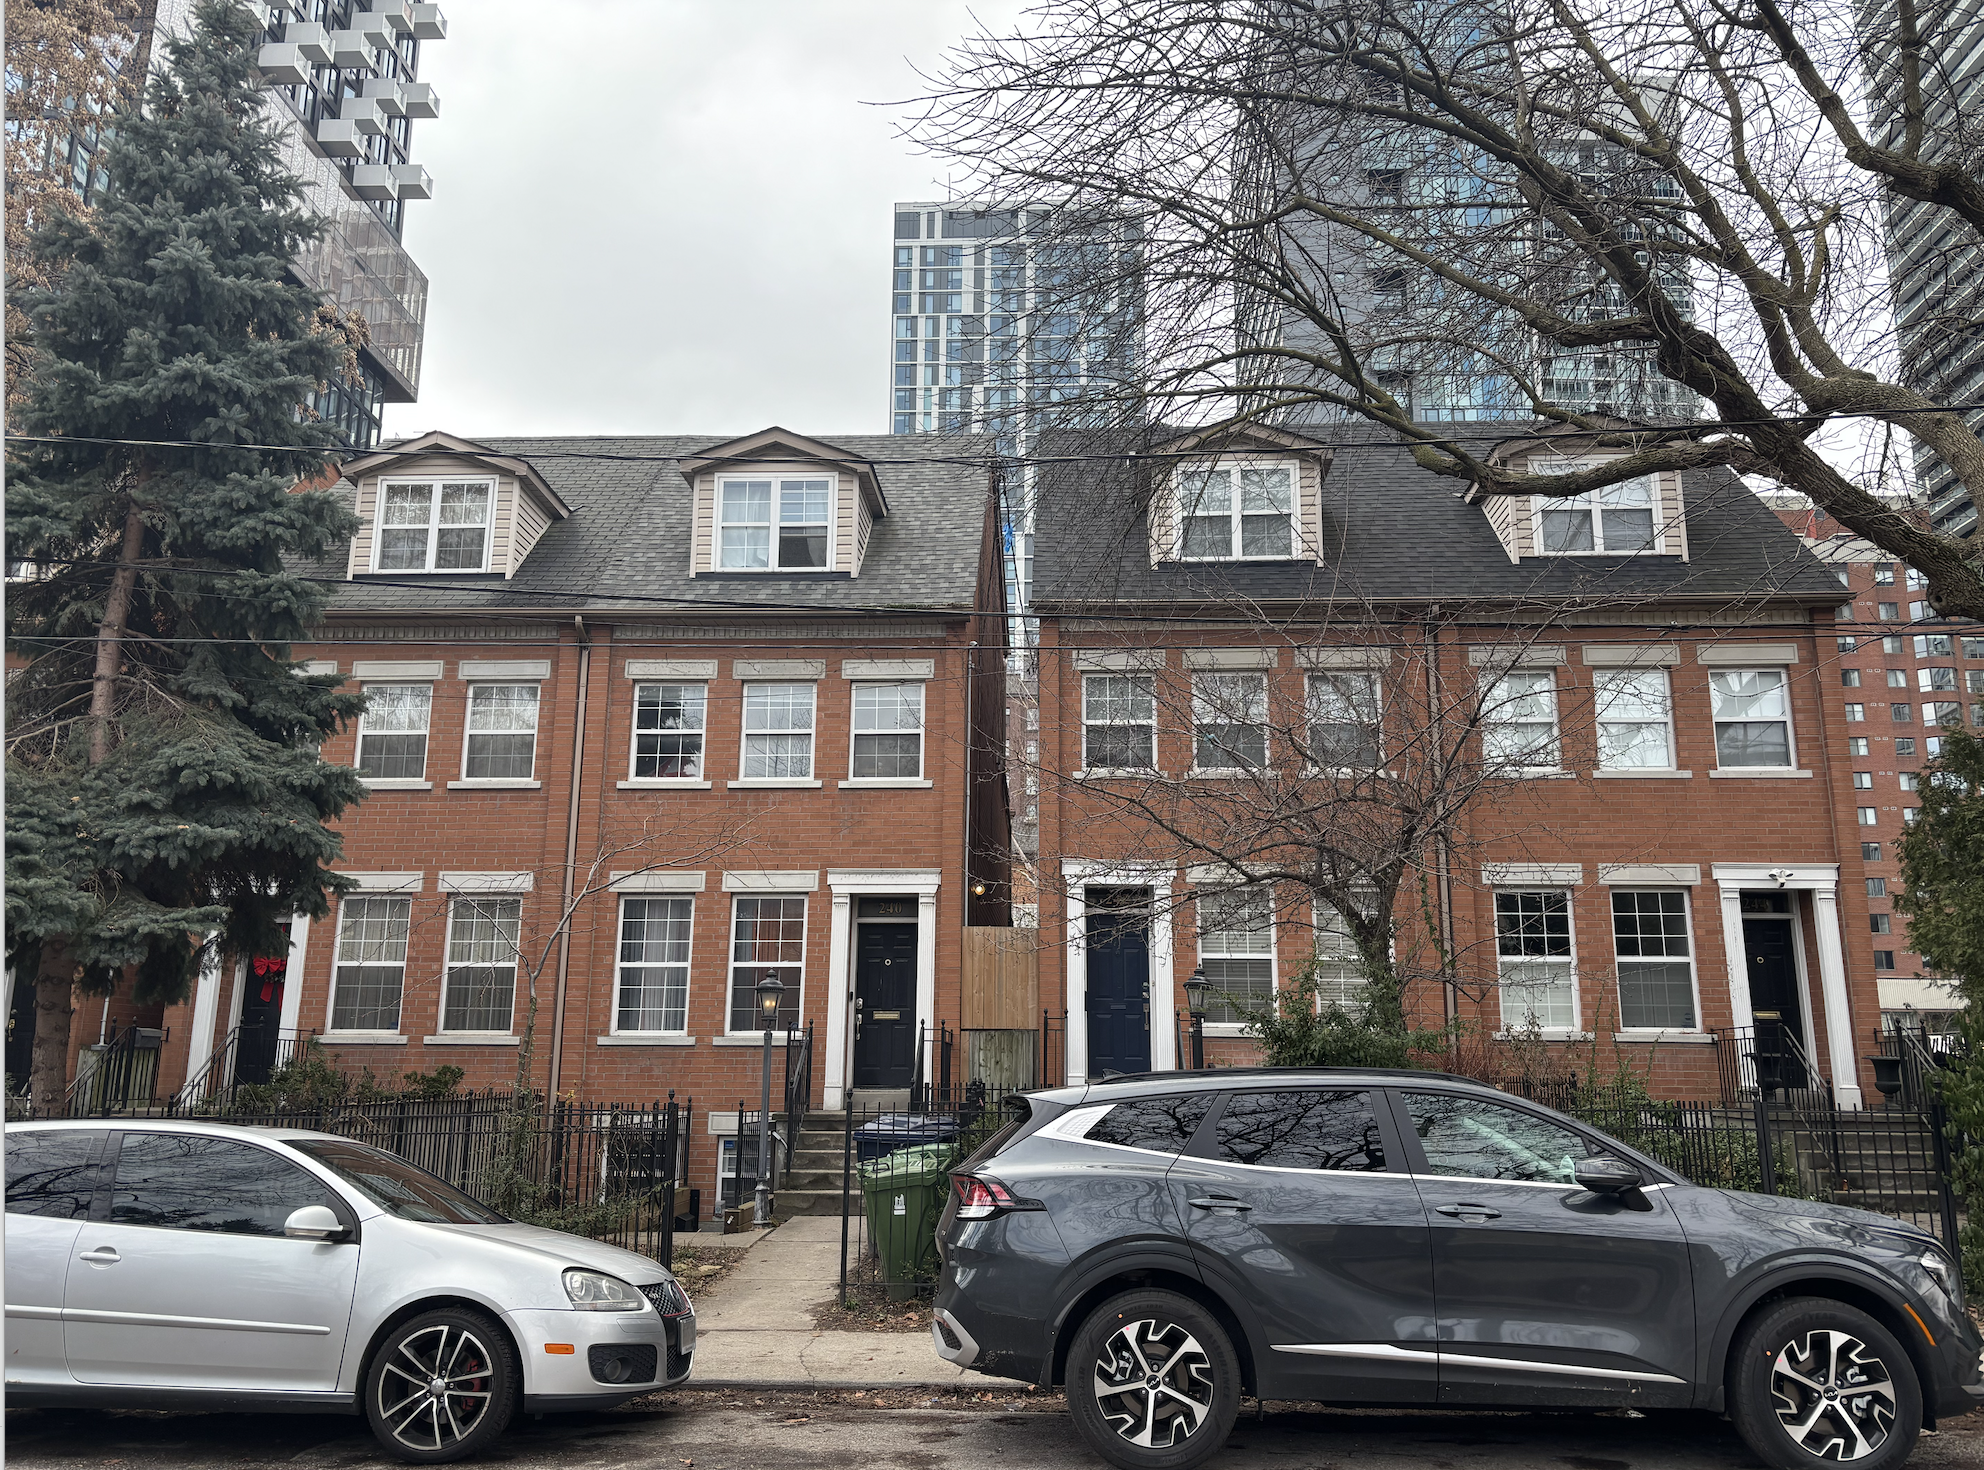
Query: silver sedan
point(166, 1265)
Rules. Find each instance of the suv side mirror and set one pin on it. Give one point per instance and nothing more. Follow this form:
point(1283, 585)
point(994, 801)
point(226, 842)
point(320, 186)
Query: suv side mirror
point(1604, 1174)
point(314, 1222)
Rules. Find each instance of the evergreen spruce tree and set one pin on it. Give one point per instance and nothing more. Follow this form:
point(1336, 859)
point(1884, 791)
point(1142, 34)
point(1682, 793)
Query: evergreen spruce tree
point(164, 792)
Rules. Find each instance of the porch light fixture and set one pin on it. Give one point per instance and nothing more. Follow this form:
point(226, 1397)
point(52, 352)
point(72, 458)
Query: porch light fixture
point(770, 992)
point(1195, 994)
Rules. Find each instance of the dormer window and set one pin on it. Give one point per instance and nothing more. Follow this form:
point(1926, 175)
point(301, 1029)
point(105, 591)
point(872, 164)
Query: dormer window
point(434, 525)
point(1237, 512)
point(1612, 521)
point(763, 518)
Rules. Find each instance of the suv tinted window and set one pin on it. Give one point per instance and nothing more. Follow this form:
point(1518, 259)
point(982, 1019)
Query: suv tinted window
point(1300, 1130)
point(186, 1182)
point(51, 1172)
point(1477, 1139)
point(1165, 1124)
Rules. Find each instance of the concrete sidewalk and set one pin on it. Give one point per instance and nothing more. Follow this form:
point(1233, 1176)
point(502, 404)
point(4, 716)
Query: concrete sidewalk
point(754, 1328)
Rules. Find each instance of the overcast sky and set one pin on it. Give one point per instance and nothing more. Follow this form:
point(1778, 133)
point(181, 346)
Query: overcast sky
point(667, 216)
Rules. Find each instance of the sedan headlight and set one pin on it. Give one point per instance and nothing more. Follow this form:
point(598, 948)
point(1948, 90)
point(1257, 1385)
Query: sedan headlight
point(595, 1291)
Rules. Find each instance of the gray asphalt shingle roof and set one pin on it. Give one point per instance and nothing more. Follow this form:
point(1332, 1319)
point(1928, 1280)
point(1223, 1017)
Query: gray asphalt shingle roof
point(1394, 532)
point(627, 541)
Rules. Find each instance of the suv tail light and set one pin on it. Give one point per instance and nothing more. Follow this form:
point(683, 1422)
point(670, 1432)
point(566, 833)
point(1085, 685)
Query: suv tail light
point(980, 1197)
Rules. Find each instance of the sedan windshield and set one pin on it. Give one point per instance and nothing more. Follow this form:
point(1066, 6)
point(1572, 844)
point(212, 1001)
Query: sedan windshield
point(396, 1186)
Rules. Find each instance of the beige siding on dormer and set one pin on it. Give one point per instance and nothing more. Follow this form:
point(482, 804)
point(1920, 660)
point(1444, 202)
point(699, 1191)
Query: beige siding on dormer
point(1309, 508)
point(864, 527)
point(1673, 524)
point(531, 522)
point(1163, 519)
point(840, 546)
point(847, 530)
point(702, 536)
point(502, 526)
point(1508, 517)
point(365, 507)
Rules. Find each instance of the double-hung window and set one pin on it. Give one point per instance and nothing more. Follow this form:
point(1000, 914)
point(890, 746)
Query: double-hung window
point(1237, 512)
point(370, 968)
point(501, 744)
point(669, 725)
point(888, 733)
point(774, 524)
point(392, 733)
point(1236, 951)
point(1752, 713)
point(654, 966)
point(1519, 721)
point(1635, 720)
point(1533, 949)
point(1119, 722)
point(1338, 965)
point(1343, 721)
point(434, 526)
point(480, 988)
point(767, 938)
point(1650, 936)
point(1615, 520)
point(778, 732)
point(1229, 722)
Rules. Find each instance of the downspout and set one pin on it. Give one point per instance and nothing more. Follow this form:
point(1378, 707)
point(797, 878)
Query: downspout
point(970, 763)
point(571, 856)
point(1442, 854)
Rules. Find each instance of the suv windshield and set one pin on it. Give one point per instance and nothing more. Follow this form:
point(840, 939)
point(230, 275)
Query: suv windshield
point(396, 1186)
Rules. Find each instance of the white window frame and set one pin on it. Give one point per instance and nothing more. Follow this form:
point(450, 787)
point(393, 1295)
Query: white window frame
point(1694, 968)
point(1592, 503)
point(777, 479)
point(1182, 487)
point(339, 961)
point(1320, 679)
point(746, 731)
point(1790, 725)
point(449, 964)
point(1601, 678)
point(469, 732)
point(426, 733)
point(433, 485)
point(1212, 679)
point(730, 963)
point(1262, 894)
point(855, 732)
point(1149, 686)
point(620, 966)
point(1925, 680)
point(701, 730)
point(1325, 921)
point(1569, 896)
point(1494, 699)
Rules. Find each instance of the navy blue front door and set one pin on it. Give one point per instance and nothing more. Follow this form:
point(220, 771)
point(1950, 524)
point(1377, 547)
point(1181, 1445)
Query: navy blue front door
point(1118, 950)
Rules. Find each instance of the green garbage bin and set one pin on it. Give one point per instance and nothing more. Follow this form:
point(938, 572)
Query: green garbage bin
point(902, 1194)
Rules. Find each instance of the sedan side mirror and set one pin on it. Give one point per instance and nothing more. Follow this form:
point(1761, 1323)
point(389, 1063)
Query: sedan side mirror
point(314, 1222)
point(1604, 1174)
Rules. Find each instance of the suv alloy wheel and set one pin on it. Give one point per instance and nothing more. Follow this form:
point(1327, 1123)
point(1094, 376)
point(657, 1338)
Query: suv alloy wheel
point(1153, 1382)
point(1814, 1383)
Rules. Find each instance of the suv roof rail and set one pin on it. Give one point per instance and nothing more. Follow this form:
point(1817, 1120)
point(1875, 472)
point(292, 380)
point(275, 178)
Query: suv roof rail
point(1112, 1078)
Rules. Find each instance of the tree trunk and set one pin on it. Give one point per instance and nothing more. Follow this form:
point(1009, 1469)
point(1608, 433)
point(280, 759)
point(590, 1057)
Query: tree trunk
point(110, 636)
point(54, 994)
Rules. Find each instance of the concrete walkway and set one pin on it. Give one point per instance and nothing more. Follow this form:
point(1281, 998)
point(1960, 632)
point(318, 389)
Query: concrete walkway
point(754, 1328)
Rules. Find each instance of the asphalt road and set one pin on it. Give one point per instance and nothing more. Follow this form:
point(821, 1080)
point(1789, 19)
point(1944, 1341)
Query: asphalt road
point(833, 1431)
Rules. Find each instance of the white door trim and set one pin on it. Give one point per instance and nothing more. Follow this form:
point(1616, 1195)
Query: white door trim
point(1078, 876)
point(846, 884)
point(1821, 881)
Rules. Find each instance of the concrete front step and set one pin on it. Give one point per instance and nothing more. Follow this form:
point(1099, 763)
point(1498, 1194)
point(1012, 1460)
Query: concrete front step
point(795, 1202)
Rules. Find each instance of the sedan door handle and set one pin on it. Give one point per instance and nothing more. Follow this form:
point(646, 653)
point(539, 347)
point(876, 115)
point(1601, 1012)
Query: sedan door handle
point(1220, 1202)
point(103, 1255)
point(1469, 1212)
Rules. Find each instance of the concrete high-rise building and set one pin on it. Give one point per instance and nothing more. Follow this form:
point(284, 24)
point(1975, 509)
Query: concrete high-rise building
point(1935, 260)
point(344, 88)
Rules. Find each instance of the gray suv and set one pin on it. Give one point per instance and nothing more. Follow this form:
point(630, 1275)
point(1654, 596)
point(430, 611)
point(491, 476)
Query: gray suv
point(1163, 1244)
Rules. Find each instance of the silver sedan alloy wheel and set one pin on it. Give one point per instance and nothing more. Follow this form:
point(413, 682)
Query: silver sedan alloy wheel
point(1154, 1383)
point(1834, 1397)
point(436, 1387)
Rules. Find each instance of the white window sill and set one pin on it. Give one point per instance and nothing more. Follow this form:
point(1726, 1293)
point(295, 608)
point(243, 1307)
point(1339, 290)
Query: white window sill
point(773, 783)
point(755, 1038)
point(1116, 773)
point(472, 1038)
point(494, 784)
point(1551, 1034)
point(1652, 773)
point(1228, 773)
point(637, 1038)
point(1518, 773)
point(768, 571)
point(661, 783)
point(1739, 773)
point(362, 1038)
point(1346, 773)
point(1666, 1038)
point(396, 783)
point(886, 783)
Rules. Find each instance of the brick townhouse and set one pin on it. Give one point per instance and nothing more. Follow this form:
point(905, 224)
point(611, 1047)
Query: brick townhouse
point(1900, 673)
point(735, 705)
point(1266, 636)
